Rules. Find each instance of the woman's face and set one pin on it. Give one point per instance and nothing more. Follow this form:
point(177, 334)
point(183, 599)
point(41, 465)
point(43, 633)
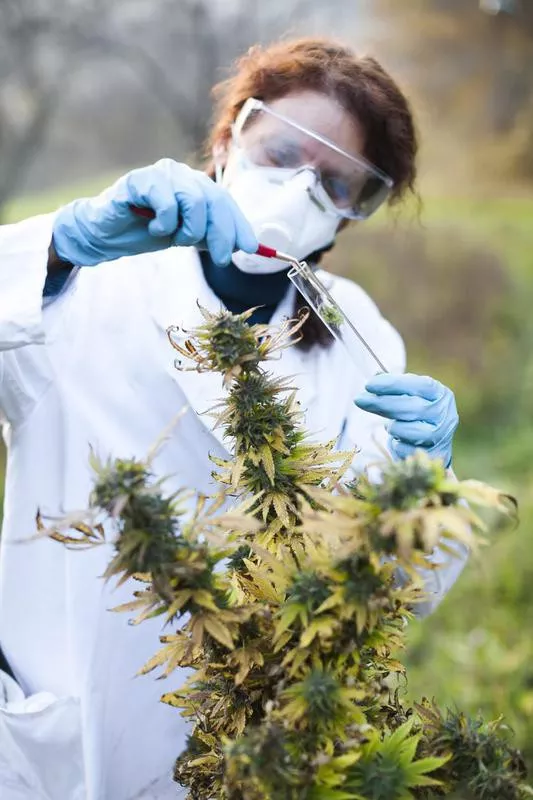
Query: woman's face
point(292, 208)
point(276, 140)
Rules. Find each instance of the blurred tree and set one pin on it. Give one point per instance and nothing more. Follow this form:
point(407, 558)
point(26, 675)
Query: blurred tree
point(195, 41)
point(37, 58)
point(175, 50)
point(475, 68)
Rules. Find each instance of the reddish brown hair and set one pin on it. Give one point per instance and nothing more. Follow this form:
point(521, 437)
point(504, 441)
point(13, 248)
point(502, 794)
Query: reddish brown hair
point(361, 86)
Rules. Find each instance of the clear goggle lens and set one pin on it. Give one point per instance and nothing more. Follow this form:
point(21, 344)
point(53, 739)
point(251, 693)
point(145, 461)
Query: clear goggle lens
point(347, 185)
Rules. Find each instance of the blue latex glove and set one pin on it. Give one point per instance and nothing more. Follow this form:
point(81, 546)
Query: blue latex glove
point(424, 413)
point(89, 231)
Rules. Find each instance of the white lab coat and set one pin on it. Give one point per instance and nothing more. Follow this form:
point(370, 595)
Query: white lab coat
point(94, 368)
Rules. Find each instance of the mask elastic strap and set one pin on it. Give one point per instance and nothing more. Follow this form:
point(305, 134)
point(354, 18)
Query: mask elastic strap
point(219, 170)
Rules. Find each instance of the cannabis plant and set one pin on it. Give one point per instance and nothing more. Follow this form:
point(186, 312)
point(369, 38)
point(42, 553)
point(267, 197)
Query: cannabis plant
point(296, 600)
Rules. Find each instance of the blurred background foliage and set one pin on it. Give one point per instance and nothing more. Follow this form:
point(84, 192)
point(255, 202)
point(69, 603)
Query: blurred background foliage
point(90, 88)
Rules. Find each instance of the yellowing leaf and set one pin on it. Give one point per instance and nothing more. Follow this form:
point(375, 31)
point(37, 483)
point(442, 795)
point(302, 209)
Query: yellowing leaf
point(347, 760)
point(197, 630)
point(294, 710)
point(240, 721)
point(237, 469)
point(218, 631)
point(280, 506)
point(288, 615)
point(180, 598)
point(208, 759)
point(333, 600)
point(296, 658)
point(204, 599)
point(323, 625)
point(173, 699)
point(160, 658)
point(282, 640)
point(268, 462)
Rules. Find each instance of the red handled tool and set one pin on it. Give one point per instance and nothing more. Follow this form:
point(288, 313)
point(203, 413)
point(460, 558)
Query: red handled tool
point(318, 297)
point(262, 250)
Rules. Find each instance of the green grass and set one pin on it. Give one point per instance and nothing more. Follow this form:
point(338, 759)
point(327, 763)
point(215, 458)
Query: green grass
point(476, 651)
point(506, 224)
point(43, 202)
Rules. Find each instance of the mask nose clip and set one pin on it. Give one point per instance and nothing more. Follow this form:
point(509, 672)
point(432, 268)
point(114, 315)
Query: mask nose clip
point(311, 188)
point(308, 168)
point(314, 199)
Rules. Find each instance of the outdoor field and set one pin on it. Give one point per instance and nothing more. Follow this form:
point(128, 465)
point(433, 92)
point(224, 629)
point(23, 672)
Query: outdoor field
point(466, 320)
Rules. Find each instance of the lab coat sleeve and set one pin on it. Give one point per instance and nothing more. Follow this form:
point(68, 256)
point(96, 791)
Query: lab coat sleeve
point(23, 262)
point(370, 437)
point(24, 366)
point(447, 565)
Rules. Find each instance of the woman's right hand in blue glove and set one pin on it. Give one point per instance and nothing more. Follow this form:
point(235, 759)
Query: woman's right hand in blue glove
point(102, 228)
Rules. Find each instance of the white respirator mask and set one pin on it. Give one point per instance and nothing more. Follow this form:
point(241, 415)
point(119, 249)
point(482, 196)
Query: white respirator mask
point(279, 205)
point(294, 201)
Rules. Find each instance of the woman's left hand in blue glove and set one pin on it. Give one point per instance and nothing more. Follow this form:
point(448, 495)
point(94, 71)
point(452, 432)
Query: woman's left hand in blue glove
point(423, 411)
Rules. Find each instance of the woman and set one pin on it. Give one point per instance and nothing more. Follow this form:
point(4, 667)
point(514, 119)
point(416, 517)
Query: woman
point(307, 137)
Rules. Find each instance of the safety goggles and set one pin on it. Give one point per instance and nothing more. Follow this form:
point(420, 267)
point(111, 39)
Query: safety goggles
point(346, 185)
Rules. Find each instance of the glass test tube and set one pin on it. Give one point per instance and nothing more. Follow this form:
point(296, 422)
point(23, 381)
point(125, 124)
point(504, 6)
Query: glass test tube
point(334, 318)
